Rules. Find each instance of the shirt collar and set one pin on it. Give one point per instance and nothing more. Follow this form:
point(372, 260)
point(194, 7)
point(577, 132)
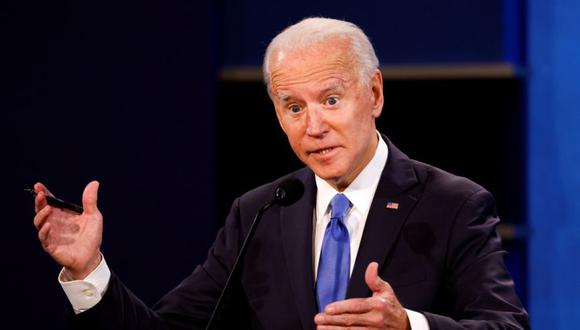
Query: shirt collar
point(361, 191)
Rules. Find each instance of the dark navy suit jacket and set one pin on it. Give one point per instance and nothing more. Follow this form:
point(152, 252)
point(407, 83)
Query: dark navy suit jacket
point(439, 251)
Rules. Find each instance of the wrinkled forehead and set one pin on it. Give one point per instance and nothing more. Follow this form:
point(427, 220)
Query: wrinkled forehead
point(327, 61)
point(330, 85)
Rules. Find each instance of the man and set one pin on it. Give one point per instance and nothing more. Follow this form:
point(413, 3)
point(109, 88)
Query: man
point(378, 240)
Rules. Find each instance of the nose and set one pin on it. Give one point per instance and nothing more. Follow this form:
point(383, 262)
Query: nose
point(315, 122)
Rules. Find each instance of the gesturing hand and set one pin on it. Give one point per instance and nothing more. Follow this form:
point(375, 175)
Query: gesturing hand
point(381, 311)
point(72, 240)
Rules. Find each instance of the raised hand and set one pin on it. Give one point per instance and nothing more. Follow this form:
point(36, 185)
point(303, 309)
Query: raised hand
point(72, 240)
point(381, 311)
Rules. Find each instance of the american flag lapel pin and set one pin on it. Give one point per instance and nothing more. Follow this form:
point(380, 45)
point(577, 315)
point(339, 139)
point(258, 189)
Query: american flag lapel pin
point(392, 205)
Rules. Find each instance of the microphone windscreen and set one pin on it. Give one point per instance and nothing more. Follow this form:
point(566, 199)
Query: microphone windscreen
point(289, 192)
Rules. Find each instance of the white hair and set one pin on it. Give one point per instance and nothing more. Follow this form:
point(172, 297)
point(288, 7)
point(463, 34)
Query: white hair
point(311, 31)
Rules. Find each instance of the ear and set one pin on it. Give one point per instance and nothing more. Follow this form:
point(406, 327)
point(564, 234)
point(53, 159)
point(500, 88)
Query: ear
point(376, 85)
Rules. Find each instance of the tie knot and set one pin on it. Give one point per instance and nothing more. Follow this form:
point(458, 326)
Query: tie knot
point(339, 205)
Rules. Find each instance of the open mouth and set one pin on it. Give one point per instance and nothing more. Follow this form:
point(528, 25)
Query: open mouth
point(322, 151)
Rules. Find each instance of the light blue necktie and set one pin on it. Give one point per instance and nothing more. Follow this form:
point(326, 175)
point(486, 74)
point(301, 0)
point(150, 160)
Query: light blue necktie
point(334, 263)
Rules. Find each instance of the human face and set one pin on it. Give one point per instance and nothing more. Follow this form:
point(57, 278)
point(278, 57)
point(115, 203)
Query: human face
point(327, 114)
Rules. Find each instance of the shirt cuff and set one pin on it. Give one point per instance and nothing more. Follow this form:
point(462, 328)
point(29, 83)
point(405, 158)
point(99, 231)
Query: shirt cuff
point(417, 320)
point(84, 294)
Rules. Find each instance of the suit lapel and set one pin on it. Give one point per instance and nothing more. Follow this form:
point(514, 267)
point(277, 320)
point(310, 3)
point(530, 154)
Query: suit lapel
point(384, 223)
point(381, 231)
point(296, 225)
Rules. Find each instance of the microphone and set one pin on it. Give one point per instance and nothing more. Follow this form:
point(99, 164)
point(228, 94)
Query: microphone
point(289, 192)
point(286, 193)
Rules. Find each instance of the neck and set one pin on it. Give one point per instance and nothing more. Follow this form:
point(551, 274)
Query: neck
point(340, 184)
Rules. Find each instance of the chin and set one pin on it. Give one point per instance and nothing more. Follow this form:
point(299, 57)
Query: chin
point(328, 174)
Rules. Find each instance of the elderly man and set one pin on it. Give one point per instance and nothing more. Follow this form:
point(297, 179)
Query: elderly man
point(377, 241)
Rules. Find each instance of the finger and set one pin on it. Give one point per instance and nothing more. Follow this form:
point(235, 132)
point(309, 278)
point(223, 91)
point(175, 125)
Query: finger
point(43, 235)
point(350, 320)
point(374, 282)
point(38, 187)
point(337, 327)
point(90, 197)
point(41, 216)
point(354, 305)
point(39, 201)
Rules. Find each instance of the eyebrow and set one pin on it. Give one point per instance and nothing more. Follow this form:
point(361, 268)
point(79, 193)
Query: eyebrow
point(333, 86)
point(338, 84)
point(284, 97)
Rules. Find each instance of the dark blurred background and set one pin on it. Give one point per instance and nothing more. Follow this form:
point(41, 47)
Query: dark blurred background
point(162, 102)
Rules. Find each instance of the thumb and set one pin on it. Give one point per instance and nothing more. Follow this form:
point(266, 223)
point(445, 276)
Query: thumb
point(90, 197)
point(374, 282)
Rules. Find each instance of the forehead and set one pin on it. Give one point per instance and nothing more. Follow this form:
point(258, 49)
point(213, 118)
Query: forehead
point(331, 85)
point(328, 64)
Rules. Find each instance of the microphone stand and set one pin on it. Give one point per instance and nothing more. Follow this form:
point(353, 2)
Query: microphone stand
point(287, 193)
point(238, 262)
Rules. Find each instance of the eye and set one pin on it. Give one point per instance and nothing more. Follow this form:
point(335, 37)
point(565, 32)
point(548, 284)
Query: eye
point(332, 100)
point(294, 108)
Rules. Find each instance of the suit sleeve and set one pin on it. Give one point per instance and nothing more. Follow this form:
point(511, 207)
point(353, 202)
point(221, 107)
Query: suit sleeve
point(188, 306)
point(479, 289)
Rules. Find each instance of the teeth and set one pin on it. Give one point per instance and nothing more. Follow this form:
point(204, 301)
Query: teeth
point(325, 151)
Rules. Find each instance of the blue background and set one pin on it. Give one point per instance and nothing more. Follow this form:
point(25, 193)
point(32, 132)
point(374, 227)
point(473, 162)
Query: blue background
point(128, 92)
point(554, 162)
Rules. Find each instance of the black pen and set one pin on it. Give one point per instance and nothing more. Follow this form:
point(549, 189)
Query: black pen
point(57, 202)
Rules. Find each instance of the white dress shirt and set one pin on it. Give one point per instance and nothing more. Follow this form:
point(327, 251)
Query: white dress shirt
point(87, 293)
point(84, 294)
point(360, 193)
